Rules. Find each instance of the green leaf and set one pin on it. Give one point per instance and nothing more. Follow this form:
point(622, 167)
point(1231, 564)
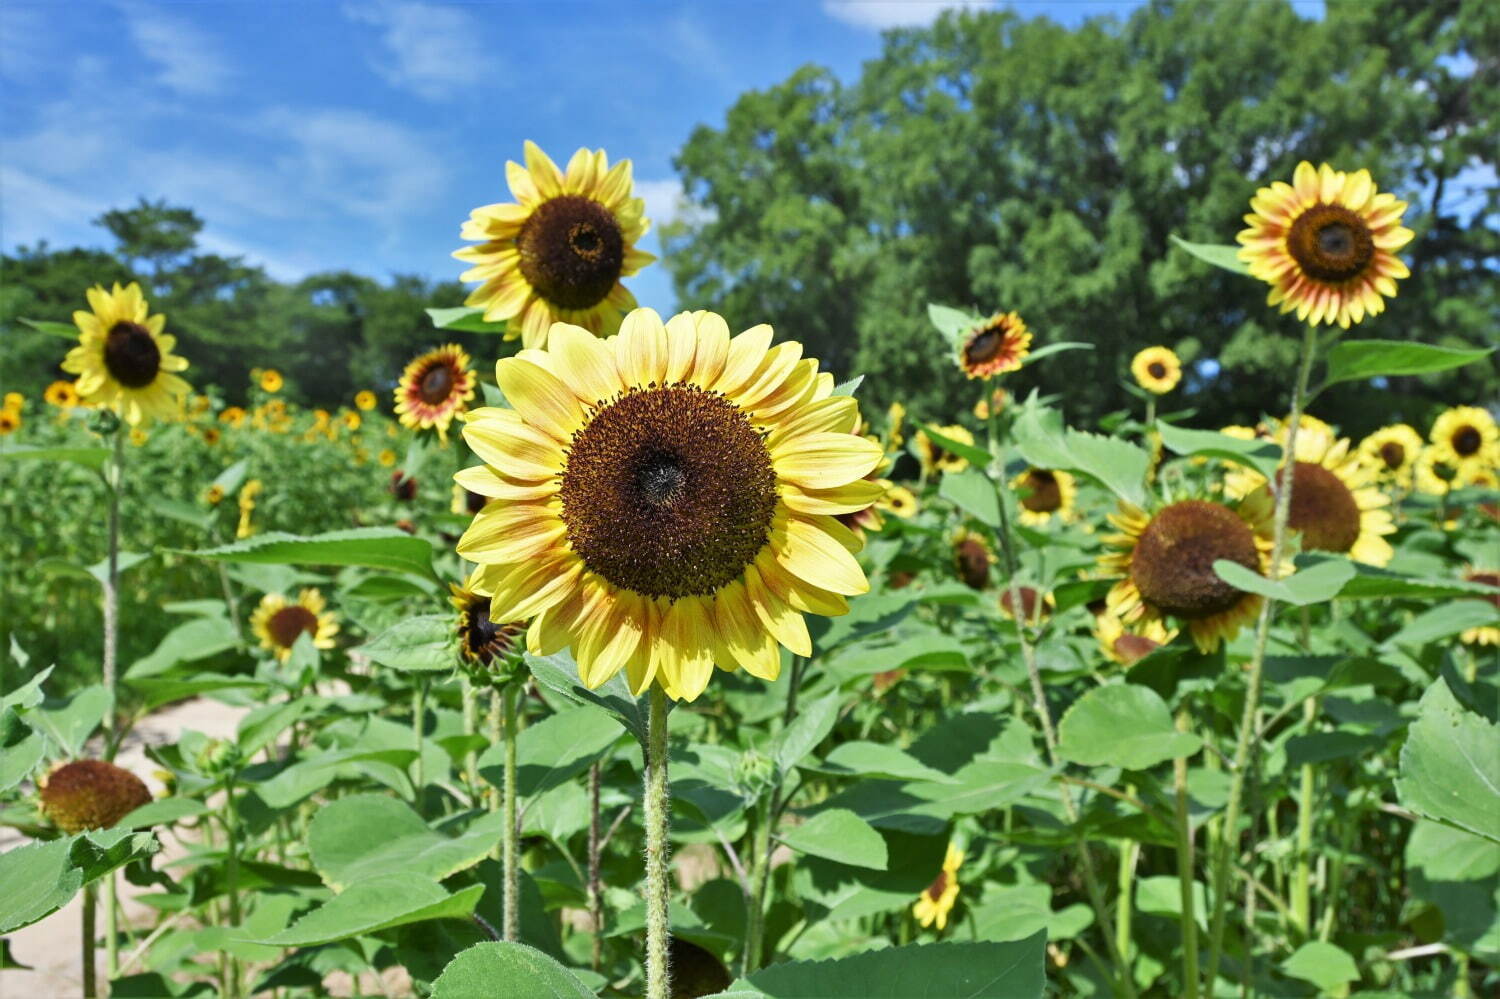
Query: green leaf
point(1452, 617)
point(21, 749)
point(1054, 348)
point(487, 970)
point(345, 849)
point(1122, 725)
point(878, 759)
point(1356, 360)
point(991, 970)
point(849, 387)
point(1450, 765)
point(952, 323)
point(302, 778)
point(375, 904)
point(973, 492)
point(188, 642)
point(163, 811)
point(1045, 443)
point(554, 750)
point(70, 724)
point(1263, 456)
point(560, 673)
point(41, 878)
point(465, 319)
point(375, 547)
point(838, 834)
point(1226, 257)
point(1372, 583)
point(157, 691)
point(1326, 966)
point(63, 331)
point(1161, 895)
point(425, 643)
point(971, 453)
point(810, 727)
point(88, 457)
point(1313, 585)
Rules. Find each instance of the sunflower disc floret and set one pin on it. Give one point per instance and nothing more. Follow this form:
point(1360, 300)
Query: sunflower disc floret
point(91, 794)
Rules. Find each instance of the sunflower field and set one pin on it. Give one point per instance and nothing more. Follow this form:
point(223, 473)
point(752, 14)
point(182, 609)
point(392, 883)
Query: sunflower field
point(637, 656)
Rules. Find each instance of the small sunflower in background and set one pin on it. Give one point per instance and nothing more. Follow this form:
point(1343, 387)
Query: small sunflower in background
point(232, 416)
point(1034, 605)
point(123, 360)
point(1485, 634)
point(995, 346)
point(351, 420)
point(15, 401)
point(434, 388)
point(938, 898)
point(1326, 243)
point(62, 394)
point(480, 640)
point(271, 380)
point(972, 558)
point(139, 437)
point(558, 252)
point(1156, 369)
point(279, 622)
point(1044, 494)
point(248, 493)
point(1127, 646)
point(895, 426)
point(1392, 452)
point(934, 458)
point(994, 404)
point(465, 503)
point(364, 400)
point(1463, 434)
point(211, 436)
point(898, 500)
point(1167, 559)
point(214, 495)
point(387, 458)
point(10, 420)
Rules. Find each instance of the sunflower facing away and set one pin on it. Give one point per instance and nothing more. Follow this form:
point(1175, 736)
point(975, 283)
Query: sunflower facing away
point(123, 359)
point(1156, 369)
point(995, 346)
point(937, 899)
point(558, 252)
point(1167, 559)
point(1044, 494)
point(1392, 452)
point(434, 388)
point(1464, 434)
point(480, 640)
point(1326, 243)
point(664, 501)
point(279, 622)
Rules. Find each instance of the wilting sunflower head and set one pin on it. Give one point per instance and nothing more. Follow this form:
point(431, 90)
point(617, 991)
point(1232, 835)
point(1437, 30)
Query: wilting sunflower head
point(1127, 646)
point(124, 362)
point(279, 622)
point(1045, 494)
point(937, 899)
point(664, 501)
point(934, 458)
point(482, 641)
point(1463, 434)
point(434, 388)
point(558, 252)
point(90, 794)
point(995, 346)
point(364, 400)
point(1391, 452)
point(1326, 244)
point(1156, 369)
point(63, 395)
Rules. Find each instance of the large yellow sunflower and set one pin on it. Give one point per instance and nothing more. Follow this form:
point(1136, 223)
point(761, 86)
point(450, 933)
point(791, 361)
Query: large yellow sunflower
point(1463, 434)
point(1167, 560)
point(559, 251)
point(664, 501)
point(1392, 452)
point(1044, 494)
point(1326, 243)
point(1336, 506)
point(932, 455)
point(1156, 369)
point(279, 622)
point(937, 899)
point(995, 346)
point(434, 388)
point(123, 359)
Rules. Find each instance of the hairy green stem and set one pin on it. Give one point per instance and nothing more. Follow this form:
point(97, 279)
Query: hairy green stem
point(418, 729)
point(595, 884)
point(510, 864)
point(86, 954)
point(1229, 838)
point(658, 973)
point(760, 876)
point(471, 727)
point(1130, 853)
point(115, 479)
point(1302, 878)
point(232, 874)
point(1188, 918)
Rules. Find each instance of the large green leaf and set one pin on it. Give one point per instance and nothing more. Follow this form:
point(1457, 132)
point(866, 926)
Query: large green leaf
point(952, 323)
point(1045, 443)
point(71, 721)
point(1450, 765)
point(377, 903)
point(1328, 967)
point(810, 727)
point(1370, 583)
point(364, 835)
point(21, 749)
point(1122, 725)
point(466, 319)
point(489, 970)
point(560, 673)
point(289, 786)
point(554, 750)
point(878, 759)
point(1262, 455)
point(972, 453)
point(63, 331)
point(972, 492)
point(1226, 257)
point(840, 835)
point(423, 643)
point(88, 457)
point(1450, 618)
point(1314, 585)
point(41, 878)
point(375, 547)
point(1356, 360)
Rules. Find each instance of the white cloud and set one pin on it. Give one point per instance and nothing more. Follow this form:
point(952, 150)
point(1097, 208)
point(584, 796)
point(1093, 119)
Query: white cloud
point(881, 14)
point(188, 60)
point(433, 51)
point(667, 202)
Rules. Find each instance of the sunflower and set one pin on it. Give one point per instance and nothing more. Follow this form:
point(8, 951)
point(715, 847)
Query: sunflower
point(1392, 452)
point(139, 437)
point(402, 486)
point(937, 899)
point(559, 251)
point(15, 401)
point(434, 388)
point(387, 457)
point(1156, 369)
point(465, 503)
point(90, 794)
point(994, 404)
point(664, 501)
point(1033, 604)
point(1336, 506)
point(1326, 244)
point(63, 395)
point(1044, 494)
point(351, 419)
point(10, 421)
point(895, 426)
point(214, 495)
point(934, 458)
point(480, 640)
point(123, 359)
point(248, 492)
point(898, 500)
point(365, 400)
point(1463, 433)
point(1167, 560)
point(279, 622)
point(211, 436)
point(1435, 474)
point(1485, 634)
point(271, 380)
point(1127, 646)
point(997, 345)
point(232, 416)
point(972, 558)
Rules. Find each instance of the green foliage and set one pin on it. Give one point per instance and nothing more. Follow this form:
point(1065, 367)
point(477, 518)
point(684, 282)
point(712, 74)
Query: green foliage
point(1450, 763)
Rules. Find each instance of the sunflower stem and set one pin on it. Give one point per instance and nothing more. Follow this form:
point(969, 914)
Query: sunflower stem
point(1302, 880)
point(418, 718)
point(471, 727)
point(658, 974)
point(510, 864)
point(1228, 839)
point(111, 928)
point(1188, 918)
point(595, 885)
point(1130, 853)
point(115, 478)
point(86, 953)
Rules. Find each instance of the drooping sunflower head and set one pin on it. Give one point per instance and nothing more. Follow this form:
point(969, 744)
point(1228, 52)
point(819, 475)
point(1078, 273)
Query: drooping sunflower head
point(934, 458)
point(63, 395)
point(1167, 559)
point(481, 640)
point(972, 559)
point(124, 360)
point(995, 346)
point(1391, 452)
point(1326, 243)
point(279, 622)
point(434, 388)
point(1044, 494)
point(364, 400)
point(90, 794)
point(664, 501)
point(1463, 434)
point(558, 252)
point(1156, 369)
point(938, 898)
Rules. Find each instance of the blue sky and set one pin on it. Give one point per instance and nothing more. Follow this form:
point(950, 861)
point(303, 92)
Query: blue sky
point(357, 134)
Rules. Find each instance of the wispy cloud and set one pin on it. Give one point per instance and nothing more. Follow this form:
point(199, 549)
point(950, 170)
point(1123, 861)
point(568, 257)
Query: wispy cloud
point(433, 51)
point(188, 60)
point(881, 14)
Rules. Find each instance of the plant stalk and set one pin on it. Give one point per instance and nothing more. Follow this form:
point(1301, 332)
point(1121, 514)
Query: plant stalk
point(86, 954)
point(595, 885)
point(418, 728)
point(115, 480)
point(1188, 919)
point(1302, 878)
point(471, 727)
point(510, 863)
point(658, 973)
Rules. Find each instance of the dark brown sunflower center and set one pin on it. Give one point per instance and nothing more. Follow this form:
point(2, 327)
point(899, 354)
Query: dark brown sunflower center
point(938, 886)
point(1393, 454)
point(483, 639)
point(1156, 369)
point(1043, 494)
point(474, 502)
point(131, 354)
point(1173, 562)
point(1466, 440)
point(436, 384)
point(1029, 601)
point(668, 492)
point(290, 622)
point(1331, 243)
point(985, 346)
point(572, 251)
point(1323, 509)
point(1132, 648)
point(973, 562)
